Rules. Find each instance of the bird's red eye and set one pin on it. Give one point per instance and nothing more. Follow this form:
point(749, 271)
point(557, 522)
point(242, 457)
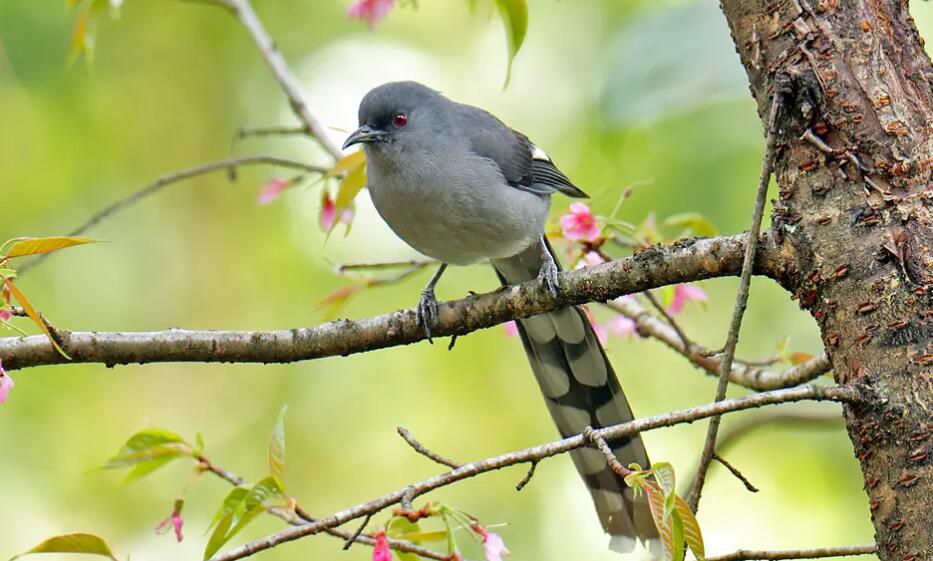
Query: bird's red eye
point(400, 120)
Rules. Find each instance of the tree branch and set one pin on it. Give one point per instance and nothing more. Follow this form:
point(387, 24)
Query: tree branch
point(537, 453)
point(759, 379)
point(171, 178)
point(684, 261)
point(741, 301)
point(243, 11)
point(751, 555)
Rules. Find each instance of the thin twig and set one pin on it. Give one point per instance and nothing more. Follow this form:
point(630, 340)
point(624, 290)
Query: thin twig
point(527, 479)
point(400, 545)
point(753, 378)
point(752, 555)
point(358, 532)
point(600, 443)
point(245, 132)
point(735, 471)
point(345, 267)
point(741, 302)
point(243, 11)
point(420, 448)
point(657, 266)
point(687, 343)
point(820, 393)
point(176, 177)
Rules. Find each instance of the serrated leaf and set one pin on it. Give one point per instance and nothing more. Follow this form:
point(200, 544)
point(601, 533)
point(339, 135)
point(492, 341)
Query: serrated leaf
point(693, 221)
point(664, 474)
point(514, 15)
point(243, 512)
point(33, 314)
point(277, 449)
point(22, 247)
point(233, 498)
point(72, 543)
point(656, 505)
point(692, 533)
point(148, 450)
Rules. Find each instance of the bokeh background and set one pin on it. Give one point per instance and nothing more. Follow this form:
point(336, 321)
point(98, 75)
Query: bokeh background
point(617, 92)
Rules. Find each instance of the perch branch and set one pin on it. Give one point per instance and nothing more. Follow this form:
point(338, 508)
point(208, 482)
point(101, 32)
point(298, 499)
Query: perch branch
point(650, 268)
point(751, 555)
point(820, 393)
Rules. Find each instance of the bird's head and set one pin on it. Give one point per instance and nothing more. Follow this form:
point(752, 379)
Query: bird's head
point(397, 114)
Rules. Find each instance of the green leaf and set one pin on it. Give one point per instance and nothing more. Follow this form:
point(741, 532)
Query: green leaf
point(401, 526)
point(72, 543)
point(693, 221)
point(148, 450)
point(664, 474)
point(22, 247)
point(277, 449)
point(692, 534)
point(199, 443)
point(423, 537)
point(33, 315)
point(656, 505)
point(238, 510)
point(515, 18)
point(667, 294)
point(677, 527)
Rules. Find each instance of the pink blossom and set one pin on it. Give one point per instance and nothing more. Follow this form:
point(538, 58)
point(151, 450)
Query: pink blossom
point(579, 223)
point(493, 545)
point(329, 213)
point(511, 328)
point(622, 326)
point(590, 259)
point(6, 384)
point(272, 190)
point(381, 550)
point(684, 293)
point(174, 520)
point(370, 11)
point(5, 315)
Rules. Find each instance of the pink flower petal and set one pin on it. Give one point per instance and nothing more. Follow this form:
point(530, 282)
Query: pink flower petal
point(272, 190)
point(494, 547)
point(684, 293)
point(174, 521)
point(370, 11)
point(6, 384)
point(328, 212)
point(622, 326)
point(381, 550)
point(511, 328)
point(579, 224)
point(590, 259)
point(5, 315)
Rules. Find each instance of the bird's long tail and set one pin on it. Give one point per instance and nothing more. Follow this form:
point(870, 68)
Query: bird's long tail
point(581, 389)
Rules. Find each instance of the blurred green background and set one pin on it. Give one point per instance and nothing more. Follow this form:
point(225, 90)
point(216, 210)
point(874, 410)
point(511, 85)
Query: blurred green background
point(617, 92)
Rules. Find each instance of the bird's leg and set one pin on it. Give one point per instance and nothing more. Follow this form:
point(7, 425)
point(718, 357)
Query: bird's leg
point(548, 274)
point(427, 305)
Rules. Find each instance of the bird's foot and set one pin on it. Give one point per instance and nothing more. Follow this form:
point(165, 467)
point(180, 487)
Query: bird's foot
point(549, 276)
point(427, 312)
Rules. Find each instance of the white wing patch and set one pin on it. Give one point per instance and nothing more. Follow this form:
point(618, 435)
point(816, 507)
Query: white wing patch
point(539, 154)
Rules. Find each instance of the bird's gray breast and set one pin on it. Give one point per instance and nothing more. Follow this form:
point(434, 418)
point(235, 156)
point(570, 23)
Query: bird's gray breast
point(454, 208)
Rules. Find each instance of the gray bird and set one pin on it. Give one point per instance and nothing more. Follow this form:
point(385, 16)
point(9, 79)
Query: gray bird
point(459, 185)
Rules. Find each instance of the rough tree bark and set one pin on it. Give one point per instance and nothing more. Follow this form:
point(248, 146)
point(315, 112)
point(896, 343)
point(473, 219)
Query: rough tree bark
point(856, 224)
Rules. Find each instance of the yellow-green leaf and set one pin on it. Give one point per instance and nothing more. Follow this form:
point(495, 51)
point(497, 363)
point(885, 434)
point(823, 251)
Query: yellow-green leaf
point(348, 163)
point(350, 187)
point(72, 543)
point(22, 247)
point(692, 534)
point(33, 315)
point(277, 449)
point(514, 15)
point(656, 505)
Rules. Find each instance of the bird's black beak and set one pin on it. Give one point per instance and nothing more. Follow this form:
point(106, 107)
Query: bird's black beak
point(364, 134)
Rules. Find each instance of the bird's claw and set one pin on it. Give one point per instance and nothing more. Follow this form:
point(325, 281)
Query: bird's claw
point(427, 312)
point(549, 277)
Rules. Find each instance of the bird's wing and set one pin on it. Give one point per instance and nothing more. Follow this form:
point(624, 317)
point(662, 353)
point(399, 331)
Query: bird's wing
point(524, 165)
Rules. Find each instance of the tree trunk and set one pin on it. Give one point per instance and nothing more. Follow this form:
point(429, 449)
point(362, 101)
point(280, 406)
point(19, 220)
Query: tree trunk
point(856, 225)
